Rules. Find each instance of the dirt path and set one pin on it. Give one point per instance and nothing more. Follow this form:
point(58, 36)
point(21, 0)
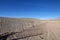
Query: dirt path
point(53, 33)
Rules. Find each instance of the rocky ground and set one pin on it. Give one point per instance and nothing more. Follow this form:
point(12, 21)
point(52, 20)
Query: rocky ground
point(29, 29)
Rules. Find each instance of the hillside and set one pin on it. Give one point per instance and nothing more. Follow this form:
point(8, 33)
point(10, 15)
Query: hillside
point(29, 29)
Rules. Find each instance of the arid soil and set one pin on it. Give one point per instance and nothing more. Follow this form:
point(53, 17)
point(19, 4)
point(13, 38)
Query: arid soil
point(53, 30)
point(29, 29)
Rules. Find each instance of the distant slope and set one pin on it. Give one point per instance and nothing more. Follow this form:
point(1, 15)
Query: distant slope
point(27, 26)
point(15, 24)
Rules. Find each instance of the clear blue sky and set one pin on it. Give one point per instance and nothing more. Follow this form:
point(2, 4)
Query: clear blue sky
point(30, 8)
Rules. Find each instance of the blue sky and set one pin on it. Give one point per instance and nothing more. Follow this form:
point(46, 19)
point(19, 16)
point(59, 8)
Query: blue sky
point(30, 8)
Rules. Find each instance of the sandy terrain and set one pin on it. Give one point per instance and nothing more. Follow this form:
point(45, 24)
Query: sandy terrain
point(53, 30)
point(29, 29)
